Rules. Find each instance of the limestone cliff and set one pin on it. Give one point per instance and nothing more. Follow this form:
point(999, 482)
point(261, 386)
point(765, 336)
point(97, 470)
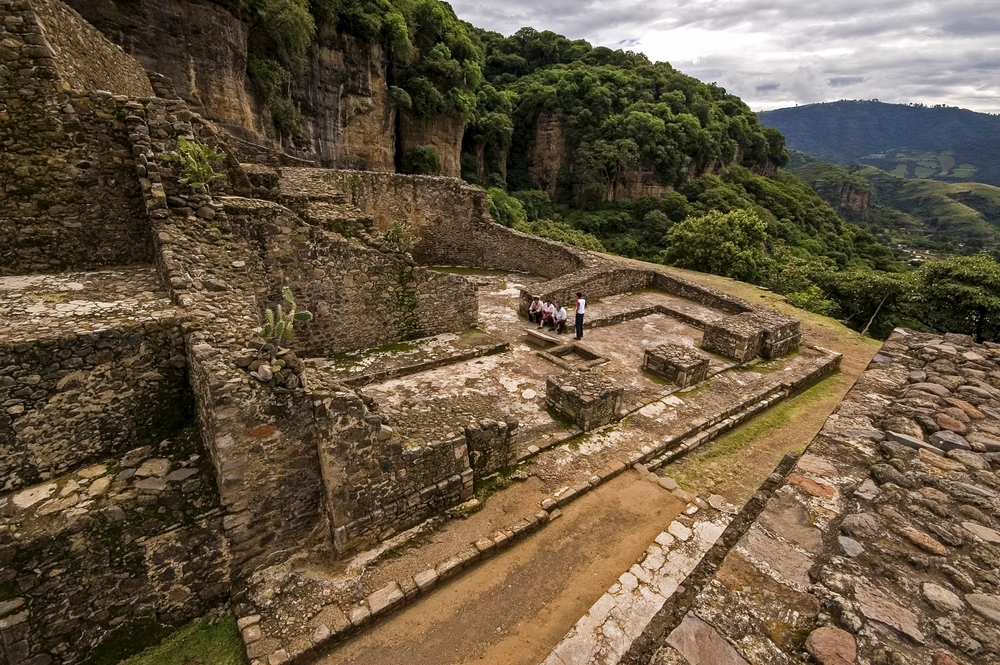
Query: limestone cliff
point(198, 44)
point(550, 152)
point(343, 95)
point(444, 132)
point(341, 89)
point(849, 201)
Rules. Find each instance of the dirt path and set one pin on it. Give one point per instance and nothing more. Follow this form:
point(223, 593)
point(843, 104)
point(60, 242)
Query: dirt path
point(514, 608)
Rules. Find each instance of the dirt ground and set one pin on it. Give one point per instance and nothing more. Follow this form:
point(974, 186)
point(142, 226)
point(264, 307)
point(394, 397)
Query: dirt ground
point(514, 608)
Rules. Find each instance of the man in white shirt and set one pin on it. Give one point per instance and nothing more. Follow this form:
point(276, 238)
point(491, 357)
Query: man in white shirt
point(581, 309)
point(559, 319)
point(535, 311)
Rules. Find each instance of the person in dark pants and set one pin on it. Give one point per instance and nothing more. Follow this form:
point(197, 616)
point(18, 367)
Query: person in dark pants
point(581, 309)
point(535, 311)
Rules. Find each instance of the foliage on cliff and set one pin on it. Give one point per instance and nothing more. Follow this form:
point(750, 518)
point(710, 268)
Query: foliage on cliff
point(623, 115)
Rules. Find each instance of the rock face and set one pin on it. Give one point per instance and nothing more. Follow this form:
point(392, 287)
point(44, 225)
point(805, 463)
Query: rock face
point(198, 45)
point(849, 201)
point(444, 132)
point(350, 121)
point(550, 152)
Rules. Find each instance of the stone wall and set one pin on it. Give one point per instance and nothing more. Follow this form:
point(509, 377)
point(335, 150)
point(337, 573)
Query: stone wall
point(585, 398)
point(602, 278)
point(360, 297)
point(71, 400)
point(69, 194)
point(450, 220)
point(491, 446)
point(680, 365)
point(85, 60)
point(739, 337)
point(93, 563)
point(376, 487)
point(880, 546)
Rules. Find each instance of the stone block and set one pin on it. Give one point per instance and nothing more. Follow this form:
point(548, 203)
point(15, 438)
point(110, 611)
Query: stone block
point(682, 366)
point(739, 337)
point(586, 398)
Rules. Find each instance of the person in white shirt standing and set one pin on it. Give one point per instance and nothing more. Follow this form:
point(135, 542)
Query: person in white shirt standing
point(581, 309)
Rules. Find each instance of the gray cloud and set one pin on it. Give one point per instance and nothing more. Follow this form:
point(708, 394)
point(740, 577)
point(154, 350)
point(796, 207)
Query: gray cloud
point(782, 52)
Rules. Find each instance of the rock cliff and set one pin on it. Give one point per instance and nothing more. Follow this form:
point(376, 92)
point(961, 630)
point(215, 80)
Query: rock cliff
point(341, 88)
point(444, 132)
point(849, 201)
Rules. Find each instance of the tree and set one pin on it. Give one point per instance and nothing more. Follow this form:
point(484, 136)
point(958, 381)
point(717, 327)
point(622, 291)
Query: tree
point(728, 244)
point(960, 294)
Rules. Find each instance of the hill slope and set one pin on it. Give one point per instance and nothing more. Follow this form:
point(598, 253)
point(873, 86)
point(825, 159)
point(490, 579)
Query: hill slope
point(920, 214)
point(942, 143)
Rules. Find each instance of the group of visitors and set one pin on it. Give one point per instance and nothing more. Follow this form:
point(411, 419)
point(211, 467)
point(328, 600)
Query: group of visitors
point(547, 314)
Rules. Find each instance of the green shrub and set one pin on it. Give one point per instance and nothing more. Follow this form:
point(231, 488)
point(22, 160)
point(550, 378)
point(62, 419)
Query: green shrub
point(196, 163)
point(422, 160)
point(504, 208)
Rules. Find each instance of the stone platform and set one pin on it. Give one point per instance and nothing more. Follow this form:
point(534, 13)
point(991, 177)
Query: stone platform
point(874, 548)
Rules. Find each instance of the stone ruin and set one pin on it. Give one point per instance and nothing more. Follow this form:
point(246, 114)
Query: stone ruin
point(587, 399)
point(679, 365)
point(880, 544)
point(147, 475)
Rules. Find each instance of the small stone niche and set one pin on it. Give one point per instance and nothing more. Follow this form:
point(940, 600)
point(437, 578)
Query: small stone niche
point(573, 357)
point(739, 337)
point(682, 366)
point(586, 398)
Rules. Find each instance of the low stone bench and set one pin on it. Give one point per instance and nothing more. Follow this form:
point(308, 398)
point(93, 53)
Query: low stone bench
point(537, 334)
point(682, 366)
point(586, 398)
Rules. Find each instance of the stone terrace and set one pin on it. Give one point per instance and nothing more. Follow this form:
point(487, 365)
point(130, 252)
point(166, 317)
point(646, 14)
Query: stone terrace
point(882, 545)
point(34, 307)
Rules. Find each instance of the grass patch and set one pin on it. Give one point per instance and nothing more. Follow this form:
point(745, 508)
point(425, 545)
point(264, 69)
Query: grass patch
point(690, 470)
point(212, 640)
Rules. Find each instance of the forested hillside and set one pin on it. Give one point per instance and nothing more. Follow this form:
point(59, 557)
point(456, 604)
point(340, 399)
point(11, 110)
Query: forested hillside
point(607, 150)
point(921, 216)
point(915, 141)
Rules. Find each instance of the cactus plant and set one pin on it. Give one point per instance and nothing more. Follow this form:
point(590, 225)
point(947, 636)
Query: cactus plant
point(279, 327)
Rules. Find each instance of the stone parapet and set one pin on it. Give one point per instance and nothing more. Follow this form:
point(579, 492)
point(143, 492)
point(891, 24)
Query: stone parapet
point(585, 398)
point(680, 365)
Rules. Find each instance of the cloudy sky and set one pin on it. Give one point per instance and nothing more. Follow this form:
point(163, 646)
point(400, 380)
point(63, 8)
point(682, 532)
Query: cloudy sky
point(776, 53)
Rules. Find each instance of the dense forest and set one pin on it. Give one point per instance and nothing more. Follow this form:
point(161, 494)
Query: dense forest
point(645, 161)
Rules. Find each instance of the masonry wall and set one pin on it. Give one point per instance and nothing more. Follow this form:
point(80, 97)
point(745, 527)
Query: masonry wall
point(360, 297)
point(85, 60)
point(452, 223)
point(70, 401)
point(69, 196)
point(92, 563)
point(376, 487)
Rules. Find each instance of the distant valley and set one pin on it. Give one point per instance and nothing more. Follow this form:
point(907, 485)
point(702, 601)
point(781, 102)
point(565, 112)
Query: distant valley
point(940, 143)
